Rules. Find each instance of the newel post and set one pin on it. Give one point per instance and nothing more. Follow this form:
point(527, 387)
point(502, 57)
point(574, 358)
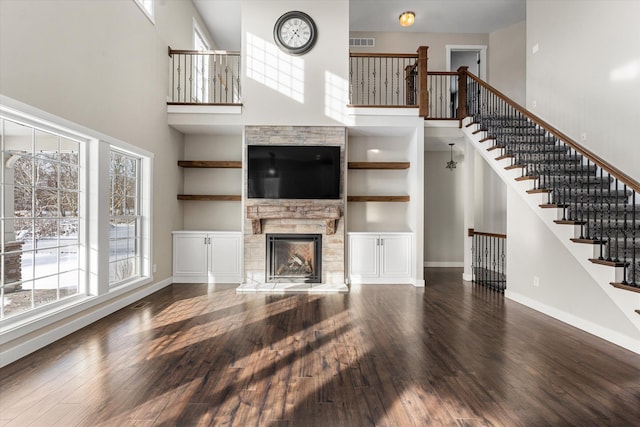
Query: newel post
point(423, 89)
point(462, 93)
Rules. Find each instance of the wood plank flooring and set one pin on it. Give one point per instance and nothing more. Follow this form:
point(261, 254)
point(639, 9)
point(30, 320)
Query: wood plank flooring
point(451, 354)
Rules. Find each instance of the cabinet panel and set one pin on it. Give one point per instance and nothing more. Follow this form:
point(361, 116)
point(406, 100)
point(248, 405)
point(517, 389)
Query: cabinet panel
point(225, 259)
point(363, 257)
point(395, 258)
point(190, 257)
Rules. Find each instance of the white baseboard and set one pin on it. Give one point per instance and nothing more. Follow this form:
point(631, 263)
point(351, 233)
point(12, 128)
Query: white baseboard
point(444, 263)
point(467, 277)
point(582, 324)
point(85, 318)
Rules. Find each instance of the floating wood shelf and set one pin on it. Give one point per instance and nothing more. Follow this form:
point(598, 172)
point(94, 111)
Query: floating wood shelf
point(210, 197)
point(379, 165)
point(378, 198)
point(232, 164)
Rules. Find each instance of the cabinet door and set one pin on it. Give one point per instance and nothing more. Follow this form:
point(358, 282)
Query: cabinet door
point(395, 259)
point(226, 256)
point(190, 256)
point(363, 257)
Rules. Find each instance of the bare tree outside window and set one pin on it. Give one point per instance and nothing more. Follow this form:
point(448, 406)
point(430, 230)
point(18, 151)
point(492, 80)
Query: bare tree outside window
point(40, 218)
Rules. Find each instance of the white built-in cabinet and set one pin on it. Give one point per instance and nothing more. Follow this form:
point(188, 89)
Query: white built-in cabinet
point(207, 256)
point(380, 257)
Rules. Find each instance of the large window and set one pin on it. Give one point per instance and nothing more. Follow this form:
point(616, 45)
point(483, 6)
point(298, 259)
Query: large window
point(75, 217)
point(40, 222)
point(124, 217)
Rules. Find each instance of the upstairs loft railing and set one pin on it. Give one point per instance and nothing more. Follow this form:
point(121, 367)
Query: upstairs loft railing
point(594, 195)
point(404, 81)
point(375, 80)
point(383, 79)
point(204, 77)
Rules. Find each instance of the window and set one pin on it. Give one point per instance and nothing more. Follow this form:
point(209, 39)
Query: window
point(75, 218)
point(200, 67)
point(147, 7)
point(124, 217)
point(40, 222)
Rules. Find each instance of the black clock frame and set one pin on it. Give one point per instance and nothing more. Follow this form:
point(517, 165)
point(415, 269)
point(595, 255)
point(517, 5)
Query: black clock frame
point(305, 47)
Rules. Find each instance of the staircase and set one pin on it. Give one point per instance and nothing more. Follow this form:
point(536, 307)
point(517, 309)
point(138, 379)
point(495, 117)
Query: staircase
point(600, 202)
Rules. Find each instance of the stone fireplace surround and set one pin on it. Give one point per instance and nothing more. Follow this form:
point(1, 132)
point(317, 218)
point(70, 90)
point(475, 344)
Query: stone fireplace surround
point(294, 216)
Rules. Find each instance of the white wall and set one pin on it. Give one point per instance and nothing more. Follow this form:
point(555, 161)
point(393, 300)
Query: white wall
point(508, 61)
point(565, 290)
point(443, 210)
point(585, 75)
point(490, 193)
point(409, 43)
point(280, 89)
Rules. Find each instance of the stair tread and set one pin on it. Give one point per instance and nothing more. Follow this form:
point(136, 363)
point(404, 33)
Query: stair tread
point(626, 287)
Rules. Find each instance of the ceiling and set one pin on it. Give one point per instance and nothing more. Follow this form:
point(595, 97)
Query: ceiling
point(222, 17)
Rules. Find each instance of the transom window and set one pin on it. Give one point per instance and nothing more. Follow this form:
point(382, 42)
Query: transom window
point(147, 7)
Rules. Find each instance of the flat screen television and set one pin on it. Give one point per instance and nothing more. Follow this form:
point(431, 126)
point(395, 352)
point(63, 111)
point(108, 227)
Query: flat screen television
point(293, 172)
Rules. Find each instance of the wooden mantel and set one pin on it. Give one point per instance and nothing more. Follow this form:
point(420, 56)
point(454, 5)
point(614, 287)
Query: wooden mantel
point(330, 214)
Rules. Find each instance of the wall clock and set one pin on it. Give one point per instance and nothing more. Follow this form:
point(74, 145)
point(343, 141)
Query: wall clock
point(295, 33)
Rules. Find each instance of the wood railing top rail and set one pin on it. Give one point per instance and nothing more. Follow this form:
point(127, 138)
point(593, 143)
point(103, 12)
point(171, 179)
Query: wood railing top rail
point(382, 55)
point(613, 171)
point(442, 73)
point(472, 232)
point(201, 52)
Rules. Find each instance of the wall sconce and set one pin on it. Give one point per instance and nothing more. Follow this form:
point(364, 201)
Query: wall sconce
point(451, 165)
point(407, 19)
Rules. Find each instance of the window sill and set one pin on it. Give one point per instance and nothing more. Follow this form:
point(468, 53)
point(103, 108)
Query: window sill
point(26, 324)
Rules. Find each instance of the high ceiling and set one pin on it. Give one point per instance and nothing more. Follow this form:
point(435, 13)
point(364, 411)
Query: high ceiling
point(222, 17)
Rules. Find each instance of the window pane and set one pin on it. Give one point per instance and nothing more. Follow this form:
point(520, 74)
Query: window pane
point(124, 255)
point(41, 218)
point(46, 145)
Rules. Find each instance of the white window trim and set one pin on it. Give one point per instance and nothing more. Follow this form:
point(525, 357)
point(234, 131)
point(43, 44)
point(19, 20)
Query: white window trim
point(96, 298)
point(148, 13)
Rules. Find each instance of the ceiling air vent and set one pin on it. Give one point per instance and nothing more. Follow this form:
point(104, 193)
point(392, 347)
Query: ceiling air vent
point(362, 42)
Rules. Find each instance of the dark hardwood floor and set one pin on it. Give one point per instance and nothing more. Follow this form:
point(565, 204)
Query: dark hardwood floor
point(448, 354)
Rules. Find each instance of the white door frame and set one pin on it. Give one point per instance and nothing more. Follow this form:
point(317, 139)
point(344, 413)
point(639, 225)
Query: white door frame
point(482, 49)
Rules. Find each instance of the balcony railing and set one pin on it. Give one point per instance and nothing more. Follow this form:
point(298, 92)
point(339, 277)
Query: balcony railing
point(375, 80)
point(383, 80)
point(204, 77)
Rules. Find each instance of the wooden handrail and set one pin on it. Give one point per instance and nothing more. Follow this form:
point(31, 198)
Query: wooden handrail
point(471, 232)
point(382, 55)
point(202, 52)
point(443, 73)
point(613, 171)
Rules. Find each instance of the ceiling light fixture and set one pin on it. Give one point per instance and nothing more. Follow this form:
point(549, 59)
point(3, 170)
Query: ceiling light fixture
point(407, 18)
point(451, 165)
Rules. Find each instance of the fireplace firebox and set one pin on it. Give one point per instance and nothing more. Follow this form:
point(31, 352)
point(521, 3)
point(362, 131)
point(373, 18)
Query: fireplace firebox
point(294, 258)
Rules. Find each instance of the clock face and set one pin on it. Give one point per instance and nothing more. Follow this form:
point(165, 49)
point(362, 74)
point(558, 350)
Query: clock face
point(295, 33)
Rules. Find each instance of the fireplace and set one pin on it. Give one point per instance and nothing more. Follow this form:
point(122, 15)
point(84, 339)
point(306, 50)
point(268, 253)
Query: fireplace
point(294, 258)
